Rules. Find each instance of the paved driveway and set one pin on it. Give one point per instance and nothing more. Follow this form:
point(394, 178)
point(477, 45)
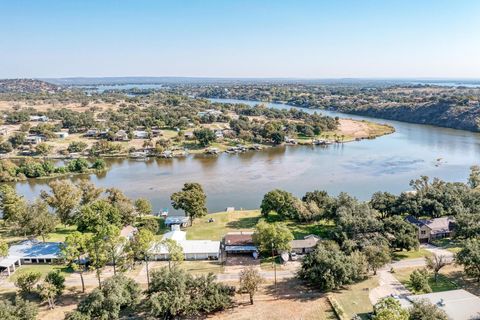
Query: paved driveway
point(389, 285)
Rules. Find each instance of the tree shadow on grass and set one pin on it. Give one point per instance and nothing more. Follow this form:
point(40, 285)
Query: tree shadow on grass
point(243, 223)
point(294, 289)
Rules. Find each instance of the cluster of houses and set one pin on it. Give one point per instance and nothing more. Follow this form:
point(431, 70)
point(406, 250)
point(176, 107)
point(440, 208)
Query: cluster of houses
point(233, 244)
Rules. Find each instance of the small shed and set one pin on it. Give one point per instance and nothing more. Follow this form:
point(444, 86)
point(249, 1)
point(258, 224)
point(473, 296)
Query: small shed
point(305, 245)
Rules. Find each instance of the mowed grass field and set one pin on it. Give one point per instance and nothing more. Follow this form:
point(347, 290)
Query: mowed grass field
point(245, 220)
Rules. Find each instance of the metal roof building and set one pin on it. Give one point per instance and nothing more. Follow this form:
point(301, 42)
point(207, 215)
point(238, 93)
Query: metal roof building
point(192, 249)
point(457, 304)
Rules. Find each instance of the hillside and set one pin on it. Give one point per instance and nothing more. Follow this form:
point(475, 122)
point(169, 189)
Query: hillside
point(442, 114)
point(27, 86)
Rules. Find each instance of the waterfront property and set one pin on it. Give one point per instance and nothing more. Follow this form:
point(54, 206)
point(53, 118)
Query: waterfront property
point(457, 304)
point(239, 243)
point(28, 252)
point(431, 229)
point(192, 249)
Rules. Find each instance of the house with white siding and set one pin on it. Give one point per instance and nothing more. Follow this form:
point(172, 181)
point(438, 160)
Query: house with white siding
point(192, 249)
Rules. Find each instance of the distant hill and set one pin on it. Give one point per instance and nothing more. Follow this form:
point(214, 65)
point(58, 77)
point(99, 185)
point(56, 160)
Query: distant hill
point(27, 86)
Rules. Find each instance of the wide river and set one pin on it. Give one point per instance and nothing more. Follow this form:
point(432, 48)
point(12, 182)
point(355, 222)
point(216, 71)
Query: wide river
point(360, 168)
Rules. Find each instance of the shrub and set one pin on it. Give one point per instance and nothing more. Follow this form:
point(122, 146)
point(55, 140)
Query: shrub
point(26, 281)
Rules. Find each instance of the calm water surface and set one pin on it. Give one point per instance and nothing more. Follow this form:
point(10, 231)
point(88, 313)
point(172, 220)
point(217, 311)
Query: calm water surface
point(360, 168)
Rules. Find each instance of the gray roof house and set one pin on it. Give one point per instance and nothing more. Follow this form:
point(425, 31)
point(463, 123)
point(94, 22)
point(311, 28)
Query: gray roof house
point(430, 229)
point(305, 245)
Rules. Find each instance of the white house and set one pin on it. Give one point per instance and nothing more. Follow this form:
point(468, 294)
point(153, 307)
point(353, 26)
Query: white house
point(192, 249)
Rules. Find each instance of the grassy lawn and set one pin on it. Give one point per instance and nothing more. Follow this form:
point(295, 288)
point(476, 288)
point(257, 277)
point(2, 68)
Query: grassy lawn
point(444, 282)
point(224, 222)
point(245, 221)
point(412, 254)
point(42, 268)
point(354, 299)
point(448, 244)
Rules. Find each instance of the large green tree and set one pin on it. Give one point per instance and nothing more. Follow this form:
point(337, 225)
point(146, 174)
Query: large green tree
point(20, 309)
point(425, 310)
point(11, 204)
point(191, 199)
point(64, 199)
point(96, 215)
point(204, 136)
point(279, 201)
point(177, 294)
point(469, 258)
point(124, 205)
point(327, 267)
point(74, 251)
point(377, 256)
point(116, 294)
point(389, 309)
point(42, 222)
point(89, 192)
point(272, 236)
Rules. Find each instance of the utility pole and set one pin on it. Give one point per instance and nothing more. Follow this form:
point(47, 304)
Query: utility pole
point(274, 270)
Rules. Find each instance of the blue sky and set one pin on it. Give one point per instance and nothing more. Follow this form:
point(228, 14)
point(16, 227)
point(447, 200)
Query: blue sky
point(243, 38)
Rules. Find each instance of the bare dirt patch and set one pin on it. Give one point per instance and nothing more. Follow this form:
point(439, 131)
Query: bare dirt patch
point(290, 300)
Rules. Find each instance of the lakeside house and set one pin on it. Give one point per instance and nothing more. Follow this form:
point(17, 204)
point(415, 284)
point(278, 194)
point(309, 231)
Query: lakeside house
point(30, 252)
point(239, 243)
point(457, 304)
point(431, 229)
point(192, 249)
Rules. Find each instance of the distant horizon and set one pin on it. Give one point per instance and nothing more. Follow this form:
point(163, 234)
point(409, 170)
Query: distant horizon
point(255, 78)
